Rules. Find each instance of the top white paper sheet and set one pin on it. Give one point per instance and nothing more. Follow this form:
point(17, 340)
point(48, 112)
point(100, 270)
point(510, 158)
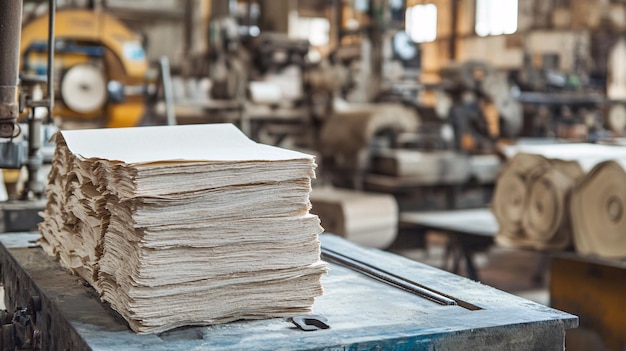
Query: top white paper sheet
point(204, 142)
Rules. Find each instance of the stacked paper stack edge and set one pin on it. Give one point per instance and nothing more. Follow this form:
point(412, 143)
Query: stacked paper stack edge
point(551, 197)
point(197, 217)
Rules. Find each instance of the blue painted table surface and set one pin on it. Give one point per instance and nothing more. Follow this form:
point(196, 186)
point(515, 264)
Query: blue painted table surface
point(363, 314)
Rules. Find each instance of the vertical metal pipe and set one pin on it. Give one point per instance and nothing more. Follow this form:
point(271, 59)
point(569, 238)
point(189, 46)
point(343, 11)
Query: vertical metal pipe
point(454, 19)
point(248, 21)
point(168, 90)
point(10, 18)
point(51, 16)
point(339, 11)
point(188, 27)
point(35, 186)
point(10, 30)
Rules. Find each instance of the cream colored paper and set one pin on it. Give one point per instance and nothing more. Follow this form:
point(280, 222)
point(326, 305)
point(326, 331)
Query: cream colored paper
point(208, 142)
point(200, 217)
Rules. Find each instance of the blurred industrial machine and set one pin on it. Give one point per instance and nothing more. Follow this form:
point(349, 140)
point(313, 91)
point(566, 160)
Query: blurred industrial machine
point(21, 147)
point(102, 77)
point(100, 67)
point(408, 149)
point(257, 74)
point(359, 104)
point(570, 105)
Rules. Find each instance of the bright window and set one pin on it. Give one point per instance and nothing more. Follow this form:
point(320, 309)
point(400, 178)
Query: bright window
point(421, 22)
point(495, 17)
point(315, 29)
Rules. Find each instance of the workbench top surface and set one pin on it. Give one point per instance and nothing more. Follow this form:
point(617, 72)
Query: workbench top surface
point(363, 313)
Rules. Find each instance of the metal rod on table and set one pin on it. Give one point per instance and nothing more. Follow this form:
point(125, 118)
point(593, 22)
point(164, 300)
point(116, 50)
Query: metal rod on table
point(386, 277)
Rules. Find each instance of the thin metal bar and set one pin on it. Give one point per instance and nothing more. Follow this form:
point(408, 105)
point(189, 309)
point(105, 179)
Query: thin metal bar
point(168, 90)
point(386, 277)
point(51, 17)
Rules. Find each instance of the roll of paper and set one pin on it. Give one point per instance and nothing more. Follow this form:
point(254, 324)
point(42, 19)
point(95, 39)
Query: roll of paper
point(368, 219)
point(546, 217)
point(511, 194)
point(598, 210)
point(544, 195)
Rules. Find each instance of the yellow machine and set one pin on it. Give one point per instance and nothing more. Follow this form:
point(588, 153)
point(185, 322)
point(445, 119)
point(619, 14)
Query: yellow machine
point(100, 64)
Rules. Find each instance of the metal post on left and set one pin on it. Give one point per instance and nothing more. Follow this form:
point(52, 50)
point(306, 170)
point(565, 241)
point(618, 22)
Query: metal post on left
point(10, 30)
point(35, 185)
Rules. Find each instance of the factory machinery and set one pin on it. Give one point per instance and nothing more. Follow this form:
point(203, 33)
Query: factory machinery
point(409, 150)
point(367, 136)
point(99, 70)
point(102, 78)
point(100, 63)
point(373, 300)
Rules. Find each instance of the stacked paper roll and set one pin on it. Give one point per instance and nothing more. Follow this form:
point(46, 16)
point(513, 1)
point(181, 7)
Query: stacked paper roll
point(533, 192)
point(511, 194)
point(598, 209)
point(196, 217)
point(369, 219)
point(546, 217)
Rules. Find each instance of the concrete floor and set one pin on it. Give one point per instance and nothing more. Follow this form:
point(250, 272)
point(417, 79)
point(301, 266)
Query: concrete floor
point(520, 272)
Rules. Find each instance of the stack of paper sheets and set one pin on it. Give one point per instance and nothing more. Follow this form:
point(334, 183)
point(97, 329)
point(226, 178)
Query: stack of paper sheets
point(185, 225)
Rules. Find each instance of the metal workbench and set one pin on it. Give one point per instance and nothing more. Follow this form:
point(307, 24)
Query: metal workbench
point(363, 313)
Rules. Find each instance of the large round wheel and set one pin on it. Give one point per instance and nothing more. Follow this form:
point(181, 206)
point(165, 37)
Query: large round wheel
point(84, 88)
